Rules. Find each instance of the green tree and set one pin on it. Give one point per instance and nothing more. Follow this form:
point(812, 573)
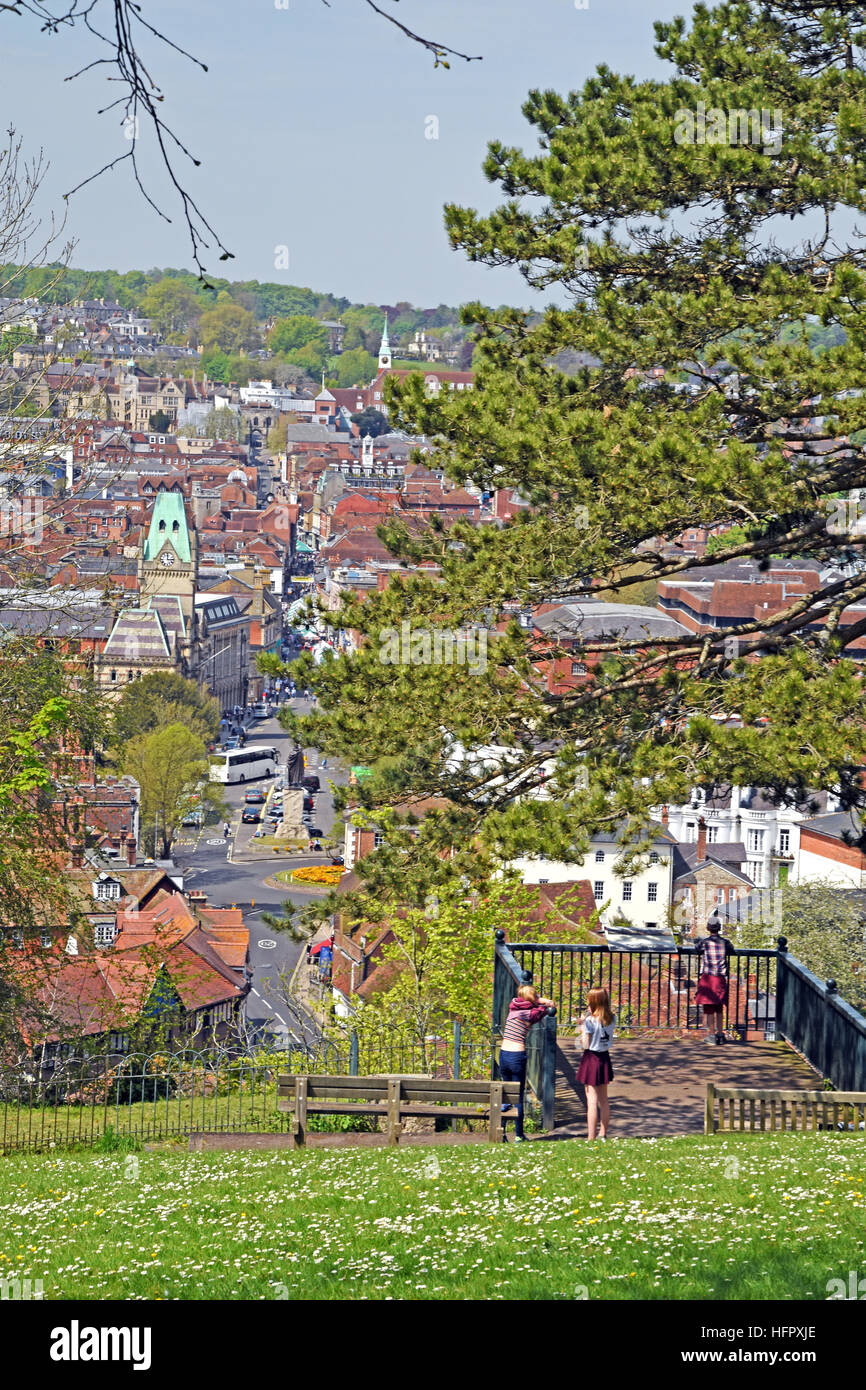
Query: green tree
point(277, 436)
point(161, 699)
point(224, 424)
point(299, 331)
point(218, 365)
point(159, 421)
point(825, 929)
point(357, 367)
point(170, 765)
point(371, 421)
point(172, 305)
point(658, 244)
point(227, 327)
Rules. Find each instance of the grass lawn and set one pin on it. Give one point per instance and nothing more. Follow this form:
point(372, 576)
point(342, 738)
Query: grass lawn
point(751, 1217)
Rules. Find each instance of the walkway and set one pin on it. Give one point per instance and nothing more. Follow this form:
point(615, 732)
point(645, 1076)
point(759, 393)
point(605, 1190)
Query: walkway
point(660, 1084)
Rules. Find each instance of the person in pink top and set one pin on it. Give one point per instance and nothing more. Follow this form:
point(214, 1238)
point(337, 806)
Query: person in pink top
point(525, 1009)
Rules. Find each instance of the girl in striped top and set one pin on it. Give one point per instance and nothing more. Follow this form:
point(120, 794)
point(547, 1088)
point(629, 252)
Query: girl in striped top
point(525, 1009)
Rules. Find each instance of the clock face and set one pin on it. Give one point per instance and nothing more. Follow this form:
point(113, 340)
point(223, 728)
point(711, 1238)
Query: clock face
point(167, 558)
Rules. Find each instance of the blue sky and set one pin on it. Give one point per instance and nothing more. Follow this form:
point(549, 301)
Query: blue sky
point(310, 125)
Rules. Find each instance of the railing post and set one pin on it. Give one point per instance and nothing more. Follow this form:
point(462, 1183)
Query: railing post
point(548, 1070)
point(501, 982)
point(826, 1039)
point(781, 1021)
point(458, 1037)
point(353, 1055)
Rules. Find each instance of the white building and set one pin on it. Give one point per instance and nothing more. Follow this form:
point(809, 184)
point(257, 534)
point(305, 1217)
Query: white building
point(743, 815)
point(642, 898)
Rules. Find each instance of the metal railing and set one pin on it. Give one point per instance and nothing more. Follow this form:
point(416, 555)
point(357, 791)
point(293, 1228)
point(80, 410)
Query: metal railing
point(649, 989)
point(770, 994)
point(818, 1022)
point(86, 1100)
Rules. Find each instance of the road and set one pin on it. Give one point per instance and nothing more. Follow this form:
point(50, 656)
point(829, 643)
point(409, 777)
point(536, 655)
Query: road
point(233, 874)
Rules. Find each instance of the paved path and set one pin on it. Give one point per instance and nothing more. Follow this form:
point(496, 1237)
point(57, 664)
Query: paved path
point(660, 1084)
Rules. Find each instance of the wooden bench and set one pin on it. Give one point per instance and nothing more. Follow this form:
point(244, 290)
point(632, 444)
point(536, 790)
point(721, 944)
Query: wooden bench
point(396, 1098)
point(759, 1111)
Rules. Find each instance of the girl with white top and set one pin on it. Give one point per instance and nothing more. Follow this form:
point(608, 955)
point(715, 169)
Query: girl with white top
point(595, 1070)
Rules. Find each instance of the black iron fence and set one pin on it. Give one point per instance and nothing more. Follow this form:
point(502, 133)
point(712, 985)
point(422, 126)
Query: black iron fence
point(88, 1100)
point(771, 995)
point(649, 989)
point(818, 1022)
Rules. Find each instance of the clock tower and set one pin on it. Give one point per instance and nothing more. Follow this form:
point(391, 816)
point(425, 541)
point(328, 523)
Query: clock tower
point(168, 560)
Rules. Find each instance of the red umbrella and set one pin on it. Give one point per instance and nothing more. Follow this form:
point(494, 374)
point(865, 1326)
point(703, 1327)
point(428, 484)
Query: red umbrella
point(329, 941)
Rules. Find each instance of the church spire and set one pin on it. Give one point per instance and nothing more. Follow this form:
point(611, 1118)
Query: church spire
point(385, 349)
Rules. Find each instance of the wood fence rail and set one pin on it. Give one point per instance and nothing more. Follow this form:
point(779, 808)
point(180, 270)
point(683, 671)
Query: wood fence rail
point(395, 1098)
point(745, 1111)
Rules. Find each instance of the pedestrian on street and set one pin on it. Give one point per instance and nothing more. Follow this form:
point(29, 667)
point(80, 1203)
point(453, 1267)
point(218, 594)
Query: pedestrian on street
point(596, 1070)
point(226, 830)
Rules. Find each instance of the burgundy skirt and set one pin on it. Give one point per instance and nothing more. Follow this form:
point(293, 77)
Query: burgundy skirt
point(596, 1069)
point(712, 991)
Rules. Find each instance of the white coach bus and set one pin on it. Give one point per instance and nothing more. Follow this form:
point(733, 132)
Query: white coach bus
point(243, 764)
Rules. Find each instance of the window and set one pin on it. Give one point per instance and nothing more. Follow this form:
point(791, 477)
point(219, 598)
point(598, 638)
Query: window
point(378, 839)
point(652, 893)
point(654, 859)
point(578, 668)
point(599, 856)
point(626, 891)
point(107, 888)
point(784, 841)
point(712, 834)
point(756, 872)
point(598, 890)
point(691, 833)
point(119, 1042)
point(756, 841)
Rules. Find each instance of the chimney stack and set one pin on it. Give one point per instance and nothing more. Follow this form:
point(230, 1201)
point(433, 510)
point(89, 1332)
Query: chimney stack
point(702, 840)
point(664, 815)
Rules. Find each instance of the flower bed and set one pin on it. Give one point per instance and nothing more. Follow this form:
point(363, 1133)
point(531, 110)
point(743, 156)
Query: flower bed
point(329, 874)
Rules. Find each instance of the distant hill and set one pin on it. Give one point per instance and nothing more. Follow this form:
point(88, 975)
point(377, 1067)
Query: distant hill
point(58, 284)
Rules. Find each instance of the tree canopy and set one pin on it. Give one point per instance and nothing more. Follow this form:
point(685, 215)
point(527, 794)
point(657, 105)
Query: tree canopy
point(666, 251)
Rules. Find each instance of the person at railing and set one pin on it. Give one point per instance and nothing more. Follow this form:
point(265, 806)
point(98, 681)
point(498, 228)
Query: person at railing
point(525, 1009)
point(713, 985)
point(596, 1069)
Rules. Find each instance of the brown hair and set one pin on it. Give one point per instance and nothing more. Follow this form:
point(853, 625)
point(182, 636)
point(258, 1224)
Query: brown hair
point(599, 1004)
point(528, 992)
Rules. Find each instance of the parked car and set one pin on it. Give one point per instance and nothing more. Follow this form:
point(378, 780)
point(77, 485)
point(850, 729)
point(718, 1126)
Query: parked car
point(228, 743)
point(311, 782)
point(315, 832)
point(260, 711)
point(308, 803)
point(195, 818)
point(251, 816)
point(255, 797)
point(337, 859)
